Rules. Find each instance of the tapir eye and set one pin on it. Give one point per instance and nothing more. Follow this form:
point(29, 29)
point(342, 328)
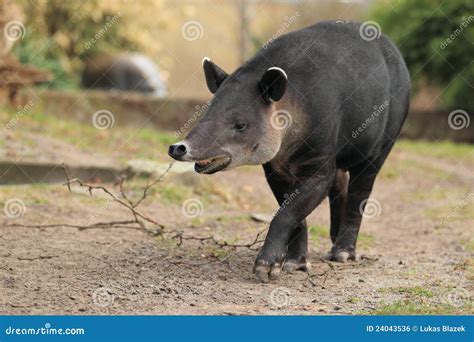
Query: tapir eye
point(240, 127)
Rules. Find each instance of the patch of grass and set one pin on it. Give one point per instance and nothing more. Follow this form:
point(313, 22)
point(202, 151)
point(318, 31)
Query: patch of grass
point(414, 292)
point(450, 212)
point(436, 193)
point(440, 149)
point(469, 245)
point(318, 232)
point(218, 253)
point(410, 307)
point(34, 194)
point(399, 165)
point(174, 193)
point(197, 221)
point(233, 219)
point(354, 300)
point(122, 142)
point(365, 240)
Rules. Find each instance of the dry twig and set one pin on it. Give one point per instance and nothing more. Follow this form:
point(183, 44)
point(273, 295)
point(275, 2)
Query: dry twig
point(139, 218)
point(180, 237)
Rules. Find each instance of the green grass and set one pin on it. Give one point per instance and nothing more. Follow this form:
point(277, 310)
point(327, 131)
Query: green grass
point(399, 164)
point(441, 149)
point(318, 232)
point(174, 193)
point(411, 292)
point(469, 245)
point(365, 240)
point(451, 212)
point(418, 300)
point(410, 307)
point(437, 193)
point(122, 142)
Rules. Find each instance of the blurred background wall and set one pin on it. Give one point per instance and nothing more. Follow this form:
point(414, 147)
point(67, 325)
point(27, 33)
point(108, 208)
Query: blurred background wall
point(64, 38)
point(175, 34)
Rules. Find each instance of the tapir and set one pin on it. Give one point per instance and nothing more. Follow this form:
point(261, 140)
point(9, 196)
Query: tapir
point(320, 108)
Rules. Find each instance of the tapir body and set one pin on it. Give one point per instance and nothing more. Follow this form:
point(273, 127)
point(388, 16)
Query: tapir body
point(320, 109)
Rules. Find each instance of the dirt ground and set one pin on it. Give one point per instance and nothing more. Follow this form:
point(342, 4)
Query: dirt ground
point(417, 247)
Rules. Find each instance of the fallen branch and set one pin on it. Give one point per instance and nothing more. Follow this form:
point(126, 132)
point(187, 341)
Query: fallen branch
point(124, 201)
point(139, 218)
point(180, 237)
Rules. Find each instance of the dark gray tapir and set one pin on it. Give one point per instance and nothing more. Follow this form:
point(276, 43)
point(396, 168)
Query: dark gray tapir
point(320, 109)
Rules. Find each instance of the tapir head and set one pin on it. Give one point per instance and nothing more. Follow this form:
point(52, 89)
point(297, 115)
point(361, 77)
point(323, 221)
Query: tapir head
point(237, 128)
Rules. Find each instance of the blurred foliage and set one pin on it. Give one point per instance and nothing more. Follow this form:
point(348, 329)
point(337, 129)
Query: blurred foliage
point(62, 33)
point(436, 39)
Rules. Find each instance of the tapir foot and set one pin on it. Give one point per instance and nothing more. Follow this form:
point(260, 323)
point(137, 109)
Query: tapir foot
point(293, 265)
point(268, 268)
point(342, 255)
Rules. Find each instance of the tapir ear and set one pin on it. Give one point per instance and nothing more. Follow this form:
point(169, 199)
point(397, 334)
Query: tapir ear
point(273, 84)
point(214, 75)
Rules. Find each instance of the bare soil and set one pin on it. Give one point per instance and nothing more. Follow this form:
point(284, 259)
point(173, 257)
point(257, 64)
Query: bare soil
point(418, 250)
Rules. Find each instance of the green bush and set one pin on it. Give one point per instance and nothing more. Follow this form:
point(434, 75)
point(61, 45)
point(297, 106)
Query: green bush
point(60, 34)
point(436, 39)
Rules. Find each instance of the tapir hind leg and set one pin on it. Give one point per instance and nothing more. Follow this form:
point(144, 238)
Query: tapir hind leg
point(337, 201)
point(362, 178)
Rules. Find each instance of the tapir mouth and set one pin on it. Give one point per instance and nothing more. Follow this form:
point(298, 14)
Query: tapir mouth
point(212, 165)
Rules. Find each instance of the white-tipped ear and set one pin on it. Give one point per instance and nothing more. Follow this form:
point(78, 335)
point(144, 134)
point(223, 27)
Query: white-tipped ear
point(273, 84)
point(205, 59)
point(281, 70)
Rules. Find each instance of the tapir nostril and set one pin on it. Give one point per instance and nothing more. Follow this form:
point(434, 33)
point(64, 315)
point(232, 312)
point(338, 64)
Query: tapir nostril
point(171, 150)
point(181, 149)
point(177, 151)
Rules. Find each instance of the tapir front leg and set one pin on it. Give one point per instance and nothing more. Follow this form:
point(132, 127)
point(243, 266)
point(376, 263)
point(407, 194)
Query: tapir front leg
point(309, 192)
point(296, 255)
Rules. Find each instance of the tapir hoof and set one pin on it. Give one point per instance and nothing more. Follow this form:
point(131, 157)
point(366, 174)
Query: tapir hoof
point(291, 266)
point(265, 272)
point(341, 255)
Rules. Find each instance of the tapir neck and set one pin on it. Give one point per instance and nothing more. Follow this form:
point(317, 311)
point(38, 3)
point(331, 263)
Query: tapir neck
point(294, 133)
